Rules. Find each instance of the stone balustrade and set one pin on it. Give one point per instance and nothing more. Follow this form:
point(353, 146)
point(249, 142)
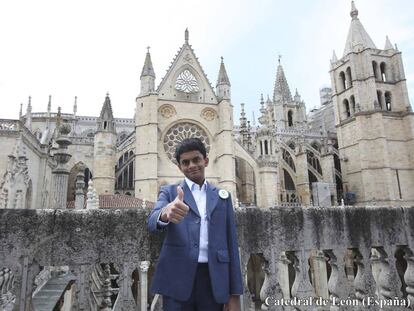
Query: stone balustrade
point(352, 258)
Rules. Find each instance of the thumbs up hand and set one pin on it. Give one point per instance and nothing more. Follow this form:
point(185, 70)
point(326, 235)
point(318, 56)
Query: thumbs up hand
point(176, 210)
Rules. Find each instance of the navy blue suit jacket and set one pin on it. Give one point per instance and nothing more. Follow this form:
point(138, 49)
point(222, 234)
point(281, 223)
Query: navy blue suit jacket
point(177, 264)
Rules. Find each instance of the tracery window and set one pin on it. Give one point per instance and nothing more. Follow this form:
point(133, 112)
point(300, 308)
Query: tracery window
point(177, 133)
point(186, 82)
point(314, 162)
point(288, 159)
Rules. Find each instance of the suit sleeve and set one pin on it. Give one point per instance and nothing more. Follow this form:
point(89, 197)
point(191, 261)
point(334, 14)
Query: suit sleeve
point(236, 285)
point(163, 200)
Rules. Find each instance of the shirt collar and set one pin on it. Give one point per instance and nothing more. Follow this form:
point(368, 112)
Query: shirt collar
point(192, 185)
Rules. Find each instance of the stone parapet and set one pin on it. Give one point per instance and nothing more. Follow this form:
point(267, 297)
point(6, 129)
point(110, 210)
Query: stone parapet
point(283, 250)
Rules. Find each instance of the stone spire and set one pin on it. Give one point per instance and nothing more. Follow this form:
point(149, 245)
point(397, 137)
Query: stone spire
point(388, 44)
point(147, 75)
point(243, 125)
point(21, 111)
point(334, 57)
point(148, 69)
point(75, 106)
point(106, 120)
point(29, 114)
point(223, 83)
point(357, 35)
point(281, 91)
point(263, 119)
point(222, 77)
point(49, 105)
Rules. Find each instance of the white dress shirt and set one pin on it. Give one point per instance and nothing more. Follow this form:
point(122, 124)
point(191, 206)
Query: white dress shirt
point(200, 195)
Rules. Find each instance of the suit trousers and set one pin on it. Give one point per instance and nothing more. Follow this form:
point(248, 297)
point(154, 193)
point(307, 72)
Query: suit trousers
point(201, 298)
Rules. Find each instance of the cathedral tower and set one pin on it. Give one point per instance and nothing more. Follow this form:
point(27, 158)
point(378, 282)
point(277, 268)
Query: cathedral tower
point(105, 151)
point(374, 120)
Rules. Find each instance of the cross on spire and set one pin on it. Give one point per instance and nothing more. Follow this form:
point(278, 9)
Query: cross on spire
point(279, 58)
point(148, 48)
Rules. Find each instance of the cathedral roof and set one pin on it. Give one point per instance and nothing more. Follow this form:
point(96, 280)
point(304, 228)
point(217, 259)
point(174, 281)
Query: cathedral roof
point(281, 91)
point(148, 69)
point(107, 201)
point(357, 35)
point(222, 77)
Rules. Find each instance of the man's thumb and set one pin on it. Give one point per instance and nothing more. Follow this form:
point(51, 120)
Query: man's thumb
point(180, 193)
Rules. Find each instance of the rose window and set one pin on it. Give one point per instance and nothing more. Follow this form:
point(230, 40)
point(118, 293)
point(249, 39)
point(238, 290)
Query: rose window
point(186, 82)
point(179, 132)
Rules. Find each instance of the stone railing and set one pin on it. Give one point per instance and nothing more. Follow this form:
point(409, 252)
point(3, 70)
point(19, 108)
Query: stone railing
point(353, 258)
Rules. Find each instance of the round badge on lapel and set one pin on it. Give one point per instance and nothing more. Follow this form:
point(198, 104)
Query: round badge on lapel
point(223, 194)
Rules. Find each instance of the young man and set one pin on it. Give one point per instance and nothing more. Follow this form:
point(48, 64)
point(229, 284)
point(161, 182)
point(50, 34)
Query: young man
point(198, 267)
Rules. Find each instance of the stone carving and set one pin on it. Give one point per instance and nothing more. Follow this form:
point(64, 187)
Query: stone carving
point(180, 131)
point(16, 186)
point(186, 82)
point(208, 114)
point(167, 111)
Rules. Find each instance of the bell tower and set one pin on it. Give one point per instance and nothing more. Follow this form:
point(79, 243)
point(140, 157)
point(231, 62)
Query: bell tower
point(374, 120)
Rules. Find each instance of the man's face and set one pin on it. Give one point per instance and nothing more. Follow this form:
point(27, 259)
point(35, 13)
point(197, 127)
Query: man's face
point(192, 165)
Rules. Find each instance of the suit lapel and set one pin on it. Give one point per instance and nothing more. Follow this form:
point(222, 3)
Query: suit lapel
point(189, 199)
point(211, 199)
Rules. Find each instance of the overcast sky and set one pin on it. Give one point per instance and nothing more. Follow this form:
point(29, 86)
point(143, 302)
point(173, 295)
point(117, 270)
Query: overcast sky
point(87, 48)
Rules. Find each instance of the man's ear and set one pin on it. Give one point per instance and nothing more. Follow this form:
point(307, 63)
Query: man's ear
point(206, 161)
point(179, 167)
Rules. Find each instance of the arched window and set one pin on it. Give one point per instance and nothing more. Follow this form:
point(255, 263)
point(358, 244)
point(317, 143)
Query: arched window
point(290, 118)
point(261, 147)
point(105, 124)
point(288, 159)
point(347, 111)
point(342, 80)
point(314, 161)
point(289, 183)
point(387, 96)
point(383, 72)
point(379, 98)
point(348, 77)
point(375, 69)
point(352, 99)
point(266, 147)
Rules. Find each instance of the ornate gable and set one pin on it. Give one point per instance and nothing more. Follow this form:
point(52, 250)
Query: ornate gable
point(185, 79)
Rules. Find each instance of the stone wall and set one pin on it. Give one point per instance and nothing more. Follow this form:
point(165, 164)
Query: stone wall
point(303, 252)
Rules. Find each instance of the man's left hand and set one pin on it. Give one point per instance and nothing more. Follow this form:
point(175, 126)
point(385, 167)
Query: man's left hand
point(233, 304)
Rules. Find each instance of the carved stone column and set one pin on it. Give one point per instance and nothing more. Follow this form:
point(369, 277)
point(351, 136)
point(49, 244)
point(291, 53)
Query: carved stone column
point(82, 273)
point(409, 276)
point(302, 288)
point(61, 173)
point(364, 280)
point(338, 286)
point(80, 196)
point(143, 269)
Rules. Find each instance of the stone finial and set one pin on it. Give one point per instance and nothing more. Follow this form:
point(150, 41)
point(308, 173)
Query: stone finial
point(342, 202)
point(186, 35)
point(21, 111)
point(354, 11)
point(388, 44)
point(89, 202)
point(49, 104)
point(95, 199)
point(236, 203)
point(75, 106)
point(334, 57)
point(144, 203)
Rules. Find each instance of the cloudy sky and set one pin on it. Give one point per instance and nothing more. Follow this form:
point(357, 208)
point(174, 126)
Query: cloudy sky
point(87, 48)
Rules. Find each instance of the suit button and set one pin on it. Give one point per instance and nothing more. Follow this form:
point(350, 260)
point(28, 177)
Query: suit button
point(195, 245)
point(197, 221)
